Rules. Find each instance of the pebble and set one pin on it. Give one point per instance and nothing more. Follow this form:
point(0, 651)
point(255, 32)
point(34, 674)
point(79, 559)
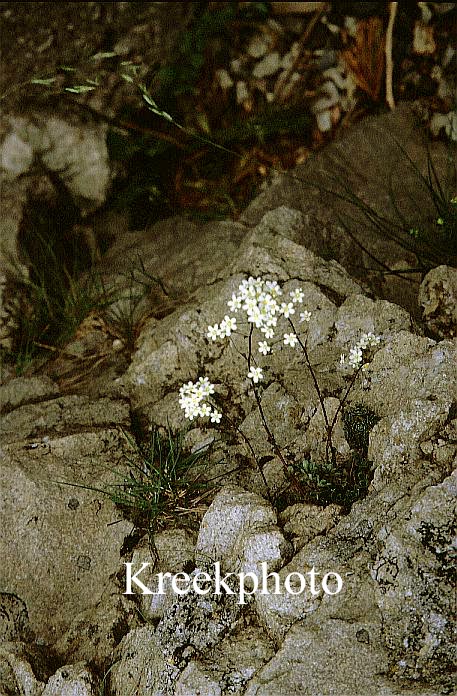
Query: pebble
point(224, 79)
point(424, 42)
point(268, 66)
point(242, 93)
point(258, 46)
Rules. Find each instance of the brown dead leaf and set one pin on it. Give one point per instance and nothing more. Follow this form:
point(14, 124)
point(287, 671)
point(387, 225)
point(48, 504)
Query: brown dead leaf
point(365, 56)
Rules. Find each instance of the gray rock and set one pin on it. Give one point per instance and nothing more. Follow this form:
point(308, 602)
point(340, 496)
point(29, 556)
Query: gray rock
point(60, 541)
point(268, 66)
point(196, 623)
point(21, 390)
point(71, 680)
point(304, 522)
point(16, 674)
point(239, 531)
point(235, 660)
point(258, 46)
point(358, 314)
point(16, 156)
point(414, 582)
point(428, 368)
point(139, 666)
point(14, 618)
point(61, 415)
point(94, 633)
point(174, 549)
point(194, 681)
point(78, 153)
point(396, 439)
point(438, 299)
point(333, 659)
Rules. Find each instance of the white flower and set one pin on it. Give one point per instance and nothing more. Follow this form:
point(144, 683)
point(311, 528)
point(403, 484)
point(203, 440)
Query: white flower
point(250, 304)
point(235, 303)
point(205, 410)
point(264, 348)
point(205, 386)
point(267, 331)
point(305, 316)
point(297, 295)
point(214, 332)
point(192, 396)
point(256, 374)
point(287, 309)
point(355, 357)
point(256, 318)
point(273, 288)
point(228, 324)
point(363, 341)
point(290, 339)
point(373, 340)
point(216, 417)
point(342, 359)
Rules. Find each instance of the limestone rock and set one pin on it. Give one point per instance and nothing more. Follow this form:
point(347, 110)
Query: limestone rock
point(414, 582)
point(139, 666)
point(95, 633)
point(60, 540)
point(234, 661)
point(60, 415)
point(303, 522)
point(267, 66)
point(239, 531)
point(397, 438)
point(70, 680)
point(63, 148)
point(194, 681)
point(195, 623)
point(369, 154)
point(438, 299)
point(14, 618)
point(16, 674)
point(20, 390)
point(175, 552)
point(329, 659)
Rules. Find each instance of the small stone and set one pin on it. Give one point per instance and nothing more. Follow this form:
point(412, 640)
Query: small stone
point(224, 79)
point(236, 65)
point(258, 46)
point(71, 679)
point(447, 121)
point(268, 66)
point(117, 345)
point(424, 42)
point(324, 121)
point(425, 12)
point(242, 93)
point(427, 447)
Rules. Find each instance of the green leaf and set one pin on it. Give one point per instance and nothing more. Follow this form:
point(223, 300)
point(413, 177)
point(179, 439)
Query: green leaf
point(79, 89)
point(102, 55)
point(45, 81)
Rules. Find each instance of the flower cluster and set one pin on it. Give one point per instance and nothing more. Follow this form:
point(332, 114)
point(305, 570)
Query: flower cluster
point(260, 300)
point(192, 400)
point(357, 353)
